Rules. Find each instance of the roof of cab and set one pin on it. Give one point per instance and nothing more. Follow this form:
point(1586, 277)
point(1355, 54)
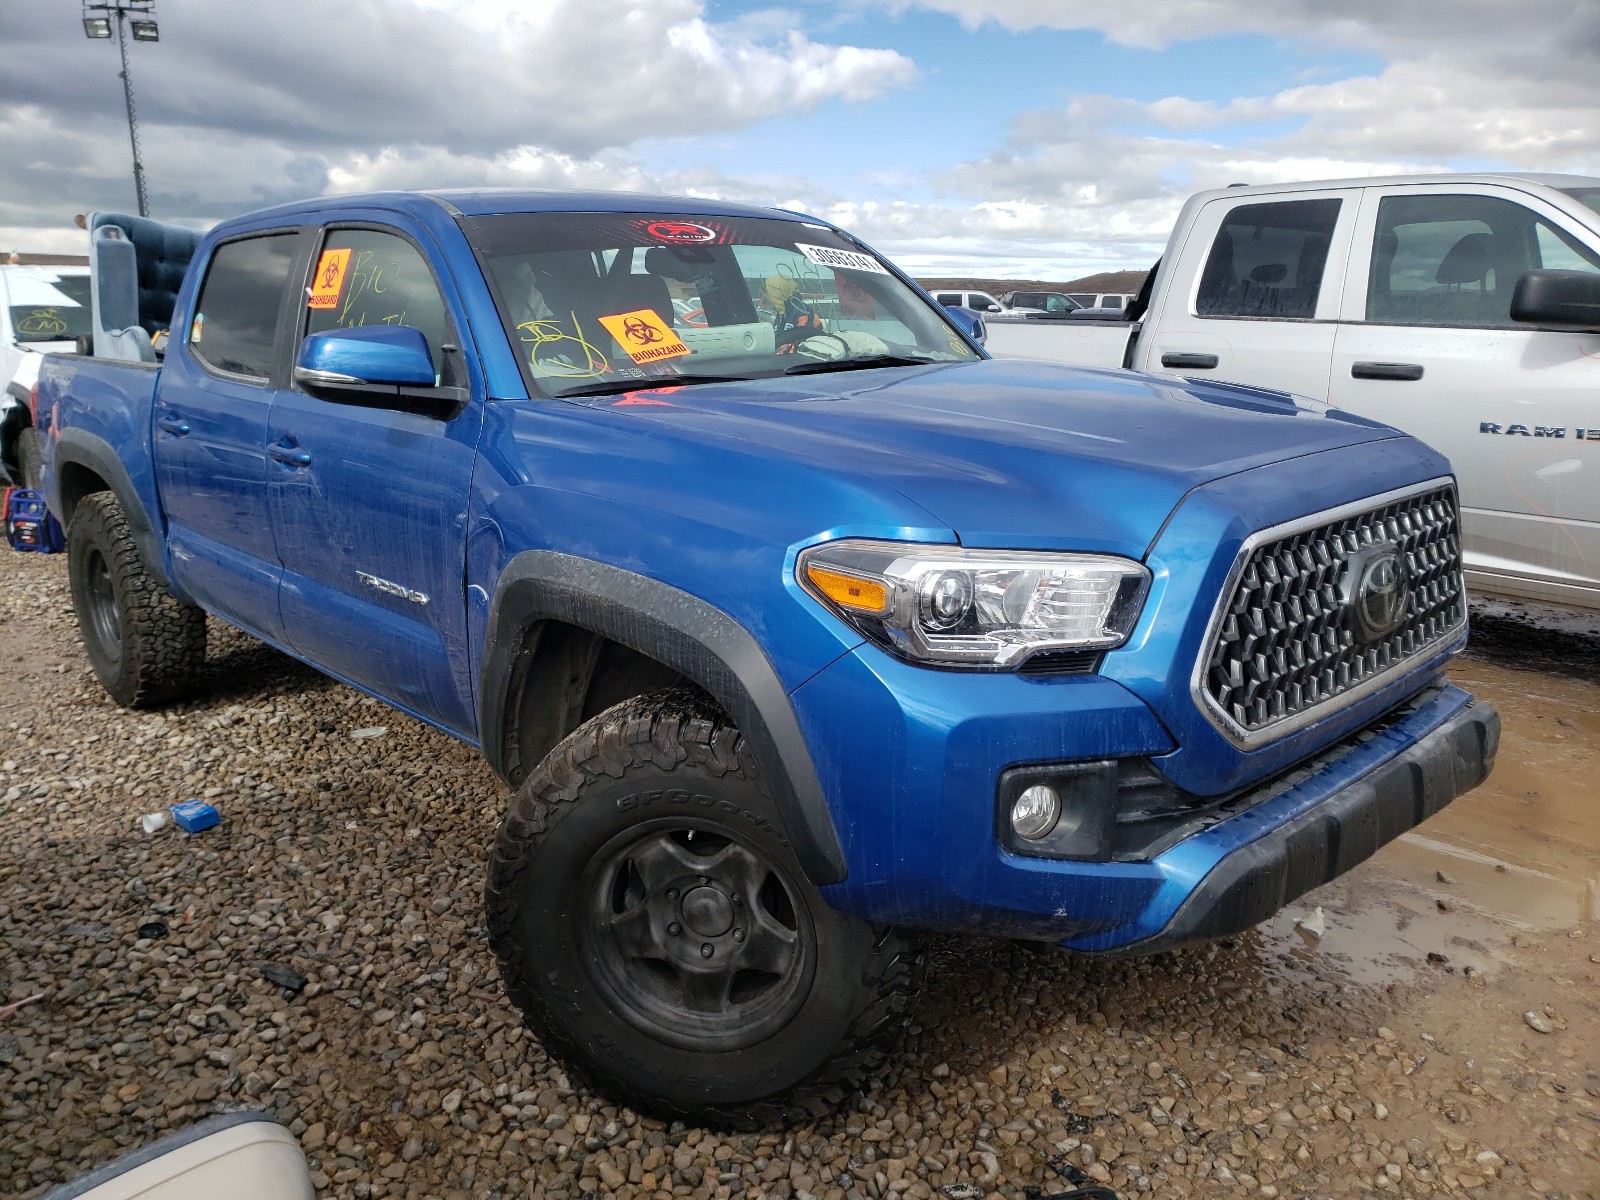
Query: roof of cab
point(480, 202)
point(1539, 178)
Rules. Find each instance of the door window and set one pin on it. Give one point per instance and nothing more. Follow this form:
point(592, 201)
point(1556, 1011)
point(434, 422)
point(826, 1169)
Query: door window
point(368, 277)
point(235, 323)
point(1558, 252)
point(1267, 260)
point(1454, 260)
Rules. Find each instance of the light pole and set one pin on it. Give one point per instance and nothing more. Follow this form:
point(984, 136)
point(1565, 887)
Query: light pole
point(138, 18)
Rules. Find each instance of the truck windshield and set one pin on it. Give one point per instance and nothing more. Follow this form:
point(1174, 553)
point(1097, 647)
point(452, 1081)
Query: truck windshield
point(624, 299)
point(46, 307)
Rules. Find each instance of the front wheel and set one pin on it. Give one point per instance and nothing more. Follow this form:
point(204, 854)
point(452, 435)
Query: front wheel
point(145, 645)
point(658, 934)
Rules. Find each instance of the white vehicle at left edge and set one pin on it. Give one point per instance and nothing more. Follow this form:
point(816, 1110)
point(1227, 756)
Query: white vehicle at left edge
point(42, 309)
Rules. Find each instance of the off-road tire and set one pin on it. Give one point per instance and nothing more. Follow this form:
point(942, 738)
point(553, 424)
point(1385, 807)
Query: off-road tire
point(146, 646)
point(648, 770)
point(29, 468)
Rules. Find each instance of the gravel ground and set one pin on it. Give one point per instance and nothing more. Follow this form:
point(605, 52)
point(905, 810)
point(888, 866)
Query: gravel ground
point(354, 862)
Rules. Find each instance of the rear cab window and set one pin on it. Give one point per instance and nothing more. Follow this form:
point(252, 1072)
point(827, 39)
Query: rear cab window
point(1268, 260)
point(234, 330)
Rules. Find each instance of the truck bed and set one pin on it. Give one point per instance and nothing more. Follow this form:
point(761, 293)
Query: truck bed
point(1086, 341)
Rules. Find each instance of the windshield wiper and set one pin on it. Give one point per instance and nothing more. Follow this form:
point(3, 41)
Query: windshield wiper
point(609, 386)
point(852, 364)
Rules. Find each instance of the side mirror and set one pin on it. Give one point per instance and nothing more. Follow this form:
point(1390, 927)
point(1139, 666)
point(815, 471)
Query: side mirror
point(385, 355)
point(991, 308)
point(1558, 300)
point(969, 322)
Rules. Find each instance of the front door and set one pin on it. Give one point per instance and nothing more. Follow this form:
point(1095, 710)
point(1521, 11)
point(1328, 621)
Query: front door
point(1434, 351)
point(209, 437)
point(369, 494)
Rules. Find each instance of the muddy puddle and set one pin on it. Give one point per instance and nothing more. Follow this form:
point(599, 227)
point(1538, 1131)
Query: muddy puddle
point(1514, 863)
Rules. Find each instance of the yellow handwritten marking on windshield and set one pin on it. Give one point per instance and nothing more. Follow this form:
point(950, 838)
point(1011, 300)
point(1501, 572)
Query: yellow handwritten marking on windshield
point(42, 321)
point(332, 270)
point(552, 351)
point(644, 336)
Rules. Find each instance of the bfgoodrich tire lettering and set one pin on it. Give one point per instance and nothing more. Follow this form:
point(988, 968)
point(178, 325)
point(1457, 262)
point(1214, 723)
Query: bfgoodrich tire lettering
point(653, 926)
point(146, 646)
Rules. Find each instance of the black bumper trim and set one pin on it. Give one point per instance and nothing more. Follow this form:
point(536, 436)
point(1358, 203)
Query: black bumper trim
point(1259, 879)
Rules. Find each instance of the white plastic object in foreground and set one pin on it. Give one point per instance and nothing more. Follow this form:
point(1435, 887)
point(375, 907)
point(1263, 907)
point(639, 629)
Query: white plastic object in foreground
point(243, 1156)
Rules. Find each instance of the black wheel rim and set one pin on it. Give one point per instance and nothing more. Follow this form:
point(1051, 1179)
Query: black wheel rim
point(105, 613)
point(697, 939)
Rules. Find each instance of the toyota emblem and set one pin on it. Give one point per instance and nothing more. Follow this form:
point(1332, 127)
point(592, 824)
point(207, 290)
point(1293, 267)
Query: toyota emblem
point(1377, 591)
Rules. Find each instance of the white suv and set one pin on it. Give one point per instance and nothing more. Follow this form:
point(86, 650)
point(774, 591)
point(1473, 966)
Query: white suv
point(42, 309)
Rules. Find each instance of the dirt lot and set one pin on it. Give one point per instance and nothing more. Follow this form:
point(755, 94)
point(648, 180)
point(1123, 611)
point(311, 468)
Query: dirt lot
point(1389, 1056)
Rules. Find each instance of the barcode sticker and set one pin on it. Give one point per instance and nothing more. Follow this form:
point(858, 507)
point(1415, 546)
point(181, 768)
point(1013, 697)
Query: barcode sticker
point(848, 260)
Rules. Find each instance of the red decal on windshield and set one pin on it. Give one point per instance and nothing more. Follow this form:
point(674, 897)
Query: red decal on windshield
point(681, 233)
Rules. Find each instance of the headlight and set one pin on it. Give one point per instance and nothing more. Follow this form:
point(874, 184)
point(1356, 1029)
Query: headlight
point(976, 608)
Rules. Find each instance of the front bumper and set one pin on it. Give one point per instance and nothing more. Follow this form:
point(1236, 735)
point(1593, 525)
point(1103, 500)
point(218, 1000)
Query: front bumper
point(909, 759)
point(1331, 835)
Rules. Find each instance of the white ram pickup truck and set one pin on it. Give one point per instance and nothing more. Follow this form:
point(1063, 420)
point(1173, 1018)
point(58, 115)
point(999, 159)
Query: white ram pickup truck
point(1464, 309)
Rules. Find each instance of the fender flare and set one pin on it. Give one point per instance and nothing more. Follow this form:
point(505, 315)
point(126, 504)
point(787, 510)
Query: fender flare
point(701, 642)
point(75, 446)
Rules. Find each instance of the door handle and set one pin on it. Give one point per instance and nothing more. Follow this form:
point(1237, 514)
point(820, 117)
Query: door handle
point(1194, 362)
point(290, 454)
point(1407, 372)
point(176, 426)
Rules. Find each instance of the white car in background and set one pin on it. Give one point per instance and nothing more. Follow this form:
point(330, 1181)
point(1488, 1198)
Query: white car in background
point(42, 309)
point(1112, 300)
point(977, 301)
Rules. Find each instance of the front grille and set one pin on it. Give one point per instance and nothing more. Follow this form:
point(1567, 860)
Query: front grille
point(1298, 631)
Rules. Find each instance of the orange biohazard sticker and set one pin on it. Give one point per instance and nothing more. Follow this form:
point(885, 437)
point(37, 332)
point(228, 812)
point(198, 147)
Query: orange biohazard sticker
point(645, 336)
point(328, 282)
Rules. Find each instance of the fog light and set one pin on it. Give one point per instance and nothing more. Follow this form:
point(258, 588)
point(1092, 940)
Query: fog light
point(1035, 812)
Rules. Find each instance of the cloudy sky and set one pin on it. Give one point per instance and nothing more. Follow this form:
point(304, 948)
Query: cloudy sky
point(1019, 138)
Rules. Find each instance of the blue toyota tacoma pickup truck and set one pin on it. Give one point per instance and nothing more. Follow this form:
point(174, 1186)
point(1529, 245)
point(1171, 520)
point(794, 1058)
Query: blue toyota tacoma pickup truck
point(798, 626)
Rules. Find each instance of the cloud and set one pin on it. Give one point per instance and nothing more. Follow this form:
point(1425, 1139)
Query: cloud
point(240, 108)
point(1480, 80)
point(371, 94)
point(1468, 84)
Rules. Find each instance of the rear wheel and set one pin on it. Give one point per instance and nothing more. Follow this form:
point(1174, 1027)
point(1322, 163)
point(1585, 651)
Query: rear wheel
point(145, 645)
point(657, 932)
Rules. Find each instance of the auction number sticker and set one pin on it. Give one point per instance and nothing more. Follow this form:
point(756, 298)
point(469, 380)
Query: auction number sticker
point(645, 336)
point(849, 260)
point(328, 282)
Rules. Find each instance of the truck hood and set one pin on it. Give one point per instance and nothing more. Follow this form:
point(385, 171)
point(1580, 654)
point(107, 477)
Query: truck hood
point(1009, 453)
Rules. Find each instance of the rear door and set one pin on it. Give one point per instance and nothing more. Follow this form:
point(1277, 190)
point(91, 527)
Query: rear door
point(369, 491)
point(208, 440)
point(1428, 345)
point(1255, 292)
